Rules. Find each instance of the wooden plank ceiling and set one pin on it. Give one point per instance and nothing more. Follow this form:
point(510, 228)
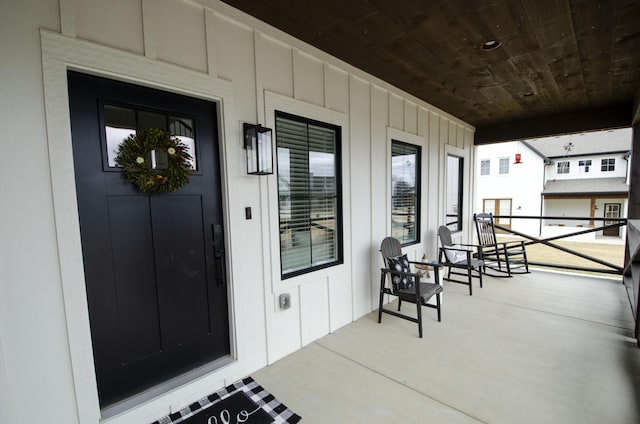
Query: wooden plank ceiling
point(563, 65)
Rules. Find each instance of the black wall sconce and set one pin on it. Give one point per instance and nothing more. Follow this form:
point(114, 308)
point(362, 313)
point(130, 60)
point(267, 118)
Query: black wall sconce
point(257, 143)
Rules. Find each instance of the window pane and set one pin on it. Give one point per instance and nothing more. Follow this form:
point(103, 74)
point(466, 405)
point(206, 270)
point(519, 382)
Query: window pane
point(503, 207)
point(322, 173)
point(323, 231)
point(120, 123)
point(504, 166)
point(405, 192)
point(563, 167)
point(308, 195)
point(453, 204)
point(151, 120)
point(584, 166)
point(485, 167)
point(182, 128)
point(489, 206)
point(608, 165)
point(505, 210)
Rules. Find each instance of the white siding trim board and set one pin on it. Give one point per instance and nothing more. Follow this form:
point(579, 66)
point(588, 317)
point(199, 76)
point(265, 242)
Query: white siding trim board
point(277, 102)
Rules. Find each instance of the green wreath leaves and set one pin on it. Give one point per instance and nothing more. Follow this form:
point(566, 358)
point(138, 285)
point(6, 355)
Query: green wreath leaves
point(135, 153)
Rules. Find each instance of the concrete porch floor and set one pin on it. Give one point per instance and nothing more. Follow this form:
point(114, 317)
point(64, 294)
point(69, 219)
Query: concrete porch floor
point(537, 348)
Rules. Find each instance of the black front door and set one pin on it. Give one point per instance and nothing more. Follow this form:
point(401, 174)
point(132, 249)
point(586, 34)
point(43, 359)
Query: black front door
point(154, 263)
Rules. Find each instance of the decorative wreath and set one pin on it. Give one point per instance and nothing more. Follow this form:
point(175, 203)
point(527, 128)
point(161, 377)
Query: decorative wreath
point(134, 155)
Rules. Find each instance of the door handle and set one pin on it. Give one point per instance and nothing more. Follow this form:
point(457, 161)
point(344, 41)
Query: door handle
point(220, 267)
point(218, 253)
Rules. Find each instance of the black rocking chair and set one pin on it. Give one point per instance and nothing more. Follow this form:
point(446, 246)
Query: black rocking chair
point(404, 284)
point(506, 258)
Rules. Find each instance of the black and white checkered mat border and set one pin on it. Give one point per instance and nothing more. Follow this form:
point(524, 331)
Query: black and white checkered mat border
point(279, 412)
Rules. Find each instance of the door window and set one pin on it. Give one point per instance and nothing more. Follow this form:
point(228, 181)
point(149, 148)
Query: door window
point(499, 207)
point(121, 122)
point(612, 210)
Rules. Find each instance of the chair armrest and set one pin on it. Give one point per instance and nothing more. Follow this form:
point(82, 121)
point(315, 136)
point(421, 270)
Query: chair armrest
point(401, 273)
point(456, 249)
point(475, 246)
point(515, 243)
point(431, 264)
point(417, 276)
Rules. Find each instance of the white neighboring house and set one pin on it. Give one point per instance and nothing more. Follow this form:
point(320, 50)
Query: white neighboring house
point(510, 177)
point(577, 175)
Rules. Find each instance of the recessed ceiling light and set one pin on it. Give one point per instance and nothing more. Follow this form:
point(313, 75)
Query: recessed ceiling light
point(491, 45)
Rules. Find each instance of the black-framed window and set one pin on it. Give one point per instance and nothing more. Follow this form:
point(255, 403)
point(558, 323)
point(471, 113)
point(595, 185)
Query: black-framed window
point(608, 165)
point(453, 201)
point(405, 192)
point(563, 167)
point(584, 166)
point(309, 194)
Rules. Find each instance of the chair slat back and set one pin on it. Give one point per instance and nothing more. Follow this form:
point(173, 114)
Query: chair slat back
point(390, 248)
point(444, 233)
point(485, 229)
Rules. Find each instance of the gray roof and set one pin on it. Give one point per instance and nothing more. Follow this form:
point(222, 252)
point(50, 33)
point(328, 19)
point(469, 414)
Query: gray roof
point(586, 186)
point(581, 144)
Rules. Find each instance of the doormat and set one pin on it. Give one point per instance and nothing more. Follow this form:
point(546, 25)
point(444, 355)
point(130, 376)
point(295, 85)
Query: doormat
point(244, 401)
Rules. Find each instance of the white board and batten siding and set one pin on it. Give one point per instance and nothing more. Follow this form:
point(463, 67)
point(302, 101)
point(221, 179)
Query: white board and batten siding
point(209, 50)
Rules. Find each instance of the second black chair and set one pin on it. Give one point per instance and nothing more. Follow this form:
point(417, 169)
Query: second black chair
point(459, 259)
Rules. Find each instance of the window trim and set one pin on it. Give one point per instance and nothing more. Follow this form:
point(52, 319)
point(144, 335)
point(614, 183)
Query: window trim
point(489, 167)
point(567, 167)
point(506, 160)
point(468, 165)
point(584, 167)
point(408, 138)
point(418, 191)
point(461, 173)
point(339, 197)
point(137, 109)
point(610, 163)
point(274, 284)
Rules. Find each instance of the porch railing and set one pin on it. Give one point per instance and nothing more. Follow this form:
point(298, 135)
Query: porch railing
point(607, 223)
point(632, 273)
